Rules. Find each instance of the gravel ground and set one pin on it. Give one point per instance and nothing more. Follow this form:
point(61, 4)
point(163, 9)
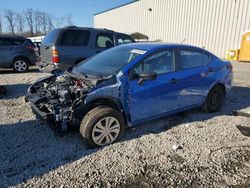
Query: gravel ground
point(192, 149)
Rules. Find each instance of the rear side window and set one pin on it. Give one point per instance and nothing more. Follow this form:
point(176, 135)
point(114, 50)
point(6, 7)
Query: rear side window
point(104, 40)
point(75, 38)
point(190, 59)
point(5, 42)
point(50, 37)
point(124, 39)
point(17, 42)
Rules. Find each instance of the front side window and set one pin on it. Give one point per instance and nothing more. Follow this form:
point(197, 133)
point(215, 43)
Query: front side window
point(160, 63)
point(104, 40)
point(124, 39)
point(191, 59)
point(5, 42)
point(75, 38)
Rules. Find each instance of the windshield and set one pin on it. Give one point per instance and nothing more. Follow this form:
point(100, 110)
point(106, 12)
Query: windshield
point(108, 62)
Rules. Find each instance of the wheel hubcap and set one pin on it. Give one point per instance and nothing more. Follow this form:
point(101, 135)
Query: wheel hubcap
point(20, 66)
point(106, 131)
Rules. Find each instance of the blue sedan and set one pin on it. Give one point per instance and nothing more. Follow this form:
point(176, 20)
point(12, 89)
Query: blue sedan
point(131, 84)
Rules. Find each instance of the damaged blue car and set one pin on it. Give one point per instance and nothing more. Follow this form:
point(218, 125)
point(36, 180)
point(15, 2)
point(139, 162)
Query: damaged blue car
point(128, 85)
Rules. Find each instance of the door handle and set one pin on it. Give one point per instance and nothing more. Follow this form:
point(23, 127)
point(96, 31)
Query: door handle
point(173, 81)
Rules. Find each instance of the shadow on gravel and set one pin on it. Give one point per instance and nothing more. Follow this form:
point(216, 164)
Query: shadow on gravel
point(30, 149)
point(11, 71)
point(237, 99)
point(15, 91)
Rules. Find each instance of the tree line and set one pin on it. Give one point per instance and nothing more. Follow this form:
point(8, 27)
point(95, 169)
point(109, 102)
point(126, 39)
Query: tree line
point(31, 22)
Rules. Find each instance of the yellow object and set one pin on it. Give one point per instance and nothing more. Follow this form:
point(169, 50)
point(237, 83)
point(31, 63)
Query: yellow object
point(245, 47)
point(232, 55)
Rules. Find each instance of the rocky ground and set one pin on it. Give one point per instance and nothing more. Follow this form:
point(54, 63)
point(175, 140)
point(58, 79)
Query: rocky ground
point(192, 149)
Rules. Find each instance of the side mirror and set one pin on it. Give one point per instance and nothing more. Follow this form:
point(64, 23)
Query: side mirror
point(147, 76)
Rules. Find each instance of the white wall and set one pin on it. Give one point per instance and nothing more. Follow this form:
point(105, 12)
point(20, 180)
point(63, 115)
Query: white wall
point(216, 25)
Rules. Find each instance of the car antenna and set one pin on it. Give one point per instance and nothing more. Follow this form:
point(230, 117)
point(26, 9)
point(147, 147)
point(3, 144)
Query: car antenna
point(183, 41)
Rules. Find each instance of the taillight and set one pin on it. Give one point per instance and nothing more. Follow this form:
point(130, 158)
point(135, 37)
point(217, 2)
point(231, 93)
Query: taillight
point(55, 56)
point(30, 47)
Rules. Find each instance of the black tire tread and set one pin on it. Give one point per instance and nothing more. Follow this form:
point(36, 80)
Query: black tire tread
point(205, 106)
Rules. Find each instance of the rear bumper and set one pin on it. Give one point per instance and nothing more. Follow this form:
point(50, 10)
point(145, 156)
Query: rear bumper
point(46, 68)
point(33, 59)
point(49, 67)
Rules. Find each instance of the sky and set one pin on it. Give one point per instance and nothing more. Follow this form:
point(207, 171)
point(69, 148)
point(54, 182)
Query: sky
point(81, 10)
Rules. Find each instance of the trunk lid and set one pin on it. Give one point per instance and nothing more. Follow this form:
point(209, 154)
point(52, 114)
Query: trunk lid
point(47, 46)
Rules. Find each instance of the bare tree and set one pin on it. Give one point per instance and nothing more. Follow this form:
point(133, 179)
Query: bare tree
point(59, 21)
point(43, 21)
point(47, 22)
point(50, 24)
point(30, 20)
point(38, 22)
point(1, 23)
point(20, 22)
point(68, 19)
point(10, 15)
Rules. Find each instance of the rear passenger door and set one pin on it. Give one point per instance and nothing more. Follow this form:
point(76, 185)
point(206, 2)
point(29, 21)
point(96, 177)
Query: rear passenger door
point(194, 77)
point(104, 41)
point(5, 52)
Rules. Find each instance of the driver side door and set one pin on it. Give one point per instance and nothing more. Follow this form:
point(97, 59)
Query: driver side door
point(153, 98)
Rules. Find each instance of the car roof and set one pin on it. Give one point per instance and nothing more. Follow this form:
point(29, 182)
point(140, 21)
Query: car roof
point(156, 45)
point(12, 37)
point(85, 28)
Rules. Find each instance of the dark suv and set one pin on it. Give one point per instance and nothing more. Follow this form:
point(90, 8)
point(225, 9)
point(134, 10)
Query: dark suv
point(66, 47)
point(17, 53)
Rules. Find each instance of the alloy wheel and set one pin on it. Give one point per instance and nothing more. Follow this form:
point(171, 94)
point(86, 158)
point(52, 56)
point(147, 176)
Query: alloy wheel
point(106, 131)
point(20, 66)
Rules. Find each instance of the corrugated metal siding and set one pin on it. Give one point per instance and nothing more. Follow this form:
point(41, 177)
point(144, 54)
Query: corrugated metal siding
point(216, 25)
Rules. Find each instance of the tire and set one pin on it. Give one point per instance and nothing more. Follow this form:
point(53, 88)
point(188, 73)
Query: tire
point(95, 127)
point(20, 65)
point(214, 99)
point(2, 90)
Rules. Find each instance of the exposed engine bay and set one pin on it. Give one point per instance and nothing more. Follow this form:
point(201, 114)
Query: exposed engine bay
point(56, 97)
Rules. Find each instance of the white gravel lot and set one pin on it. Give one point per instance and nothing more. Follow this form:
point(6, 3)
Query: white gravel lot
point(212, 151)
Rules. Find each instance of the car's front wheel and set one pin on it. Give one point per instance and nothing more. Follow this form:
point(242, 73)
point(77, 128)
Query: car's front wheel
point(102, 126)
point(20, 65)
point(214, 99)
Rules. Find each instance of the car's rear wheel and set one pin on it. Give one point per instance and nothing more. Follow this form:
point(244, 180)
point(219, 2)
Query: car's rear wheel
point(102, 126)
point(20, 65)
point(214, 99)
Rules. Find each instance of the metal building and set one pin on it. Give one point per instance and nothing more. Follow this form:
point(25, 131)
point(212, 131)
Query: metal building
point(216, 25)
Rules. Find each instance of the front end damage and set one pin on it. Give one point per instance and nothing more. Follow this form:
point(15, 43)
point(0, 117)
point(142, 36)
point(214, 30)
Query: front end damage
point(56, 99)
